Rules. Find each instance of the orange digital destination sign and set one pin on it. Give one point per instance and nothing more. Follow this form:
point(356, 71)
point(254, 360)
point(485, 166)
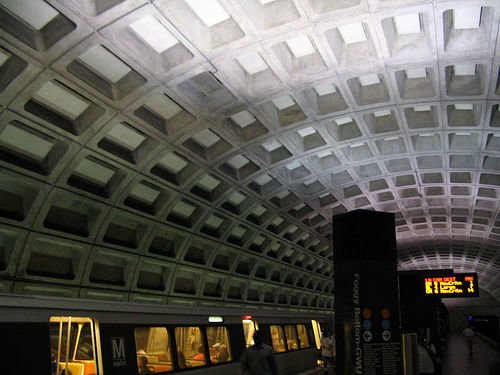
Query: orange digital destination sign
point(456, 285)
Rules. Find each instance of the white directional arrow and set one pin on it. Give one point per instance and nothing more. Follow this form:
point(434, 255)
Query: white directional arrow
point(367, 336)
point(386, 335)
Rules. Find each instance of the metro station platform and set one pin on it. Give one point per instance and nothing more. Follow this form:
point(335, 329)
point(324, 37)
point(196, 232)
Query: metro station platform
point(456, 360)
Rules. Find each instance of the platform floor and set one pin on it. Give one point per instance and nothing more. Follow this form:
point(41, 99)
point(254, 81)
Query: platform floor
point(456, 360)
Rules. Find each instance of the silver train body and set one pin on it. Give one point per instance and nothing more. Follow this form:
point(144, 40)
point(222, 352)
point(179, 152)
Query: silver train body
point(60, 337)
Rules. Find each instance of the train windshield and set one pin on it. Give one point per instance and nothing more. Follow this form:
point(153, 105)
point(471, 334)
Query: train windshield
point(74, 346)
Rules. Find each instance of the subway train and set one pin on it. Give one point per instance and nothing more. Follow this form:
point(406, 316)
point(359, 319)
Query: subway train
point(75, 337)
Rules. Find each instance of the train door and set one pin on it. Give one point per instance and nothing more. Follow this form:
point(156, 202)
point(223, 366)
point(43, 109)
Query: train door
point(75, 346)
point(249, 327)
point(317, 333)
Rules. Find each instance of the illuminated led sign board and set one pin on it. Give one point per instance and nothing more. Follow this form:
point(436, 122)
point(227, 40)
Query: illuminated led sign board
point(453, 285)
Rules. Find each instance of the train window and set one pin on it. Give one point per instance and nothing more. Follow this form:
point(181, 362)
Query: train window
point(292, 341)
point(74, 345)
point(303, 337)
point(218, 343)
point(190, 347)
point(153, 350)
point(278, 338)
point(249, 328)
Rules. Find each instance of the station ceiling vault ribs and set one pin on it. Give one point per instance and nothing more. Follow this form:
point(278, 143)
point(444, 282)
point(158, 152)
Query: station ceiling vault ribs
point(194, 151)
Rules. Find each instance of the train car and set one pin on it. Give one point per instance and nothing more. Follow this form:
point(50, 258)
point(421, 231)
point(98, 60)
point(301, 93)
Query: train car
point(75, 337)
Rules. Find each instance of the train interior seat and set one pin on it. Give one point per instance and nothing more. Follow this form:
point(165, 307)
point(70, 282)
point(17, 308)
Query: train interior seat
point(74, 368)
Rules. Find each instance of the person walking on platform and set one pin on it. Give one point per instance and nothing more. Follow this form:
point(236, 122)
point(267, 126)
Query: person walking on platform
point(470, 338)
point(425, 362)
point(258, 359)
point(327, 351)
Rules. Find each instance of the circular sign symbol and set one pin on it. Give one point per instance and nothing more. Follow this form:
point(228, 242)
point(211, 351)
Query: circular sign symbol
point(386, 324)
point(386, 335)
point(385, 313)
point(367, 313)
point(367, 325)
point(367, 336)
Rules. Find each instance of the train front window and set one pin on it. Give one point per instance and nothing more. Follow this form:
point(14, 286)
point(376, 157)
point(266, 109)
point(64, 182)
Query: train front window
point(190, 347)
point(218, 344)
point(303, 337)
point(153, 350)
point(74, 346)
point(292, 340)
point(278, 338)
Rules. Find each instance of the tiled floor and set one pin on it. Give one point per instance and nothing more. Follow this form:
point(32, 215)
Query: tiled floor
point(456, 361)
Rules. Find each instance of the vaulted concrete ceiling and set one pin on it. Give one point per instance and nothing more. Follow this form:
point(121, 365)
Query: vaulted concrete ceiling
point(194, 151)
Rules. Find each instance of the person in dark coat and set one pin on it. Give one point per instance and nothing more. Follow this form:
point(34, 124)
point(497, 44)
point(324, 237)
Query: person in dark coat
point(259, 358)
